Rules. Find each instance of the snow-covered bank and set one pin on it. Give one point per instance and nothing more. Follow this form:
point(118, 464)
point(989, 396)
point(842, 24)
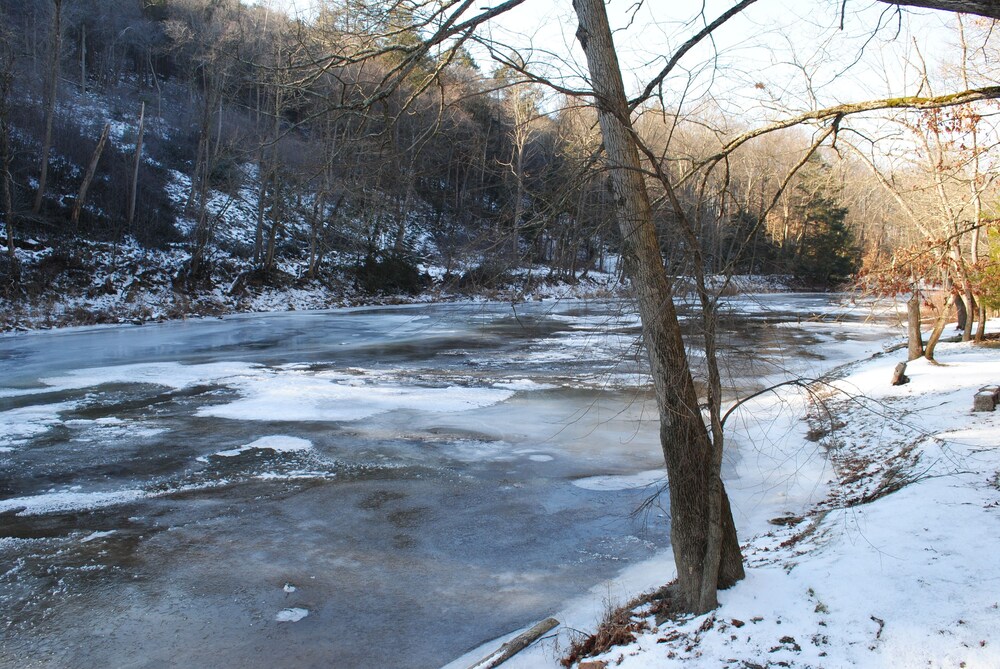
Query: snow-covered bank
point(102, 283)
point(871, 524)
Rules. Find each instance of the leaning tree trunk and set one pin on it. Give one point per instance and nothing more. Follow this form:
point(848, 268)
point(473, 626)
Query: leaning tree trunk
point(687, 448)
point(938, 330)
point(81, 196)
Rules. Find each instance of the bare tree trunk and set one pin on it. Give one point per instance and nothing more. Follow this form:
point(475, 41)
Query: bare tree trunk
point(263, 176)
point(320, 222)
point(135, 166)
point(203, 153)
point(83, 58)
point(685, 441)
point(938, 330)
point(6, 178)
point(50, 104)
point(399, 245)
point(272, 244)
point(914, 340)
point(971, 309)
point(515, 230)
point(961, 313)
point(314, 226)
point(156, 82)
point(202, 228)
point(262, 254)
point(270, 251)
point(89, 176)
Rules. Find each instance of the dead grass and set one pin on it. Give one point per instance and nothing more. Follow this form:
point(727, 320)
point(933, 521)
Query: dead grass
point(621, 624)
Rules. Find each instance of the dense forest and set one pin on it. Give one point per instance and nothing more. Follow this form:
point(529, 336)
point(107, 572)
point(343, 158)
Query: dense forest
point(164, 157)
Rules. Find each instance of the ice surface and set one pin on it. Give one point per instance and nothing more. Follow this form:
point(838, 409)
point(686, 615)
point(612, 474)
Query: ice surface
point(379, 459)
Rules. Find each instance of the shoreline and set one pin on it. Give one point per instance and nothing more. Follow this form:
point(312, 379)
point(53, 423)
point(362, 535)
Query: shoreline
point(857, 530)
point(166, 305)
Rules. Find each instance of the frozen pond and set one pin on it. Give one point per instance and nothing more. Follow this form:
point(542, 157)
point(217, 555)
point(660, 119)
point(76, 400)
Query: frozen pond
point(384, 487)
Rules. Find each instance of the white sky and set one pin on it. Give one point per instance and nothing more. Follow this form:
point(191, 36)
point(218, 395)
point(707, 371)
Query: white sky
point(782, 43)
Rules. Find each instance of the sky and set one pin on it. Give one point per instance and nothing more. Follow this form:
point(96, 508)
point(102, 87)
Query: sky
point(777, 57)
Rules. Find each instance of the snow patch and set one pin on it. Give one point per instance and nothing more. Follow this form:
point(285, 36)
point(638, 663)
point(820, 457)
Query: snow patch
point(292, 615)
point(96, 535)
point(18, 425)
point(288, 394)
point(627, 482)
point(523, 384)
point(55, 502)
point(277, 443)
point(329, 396)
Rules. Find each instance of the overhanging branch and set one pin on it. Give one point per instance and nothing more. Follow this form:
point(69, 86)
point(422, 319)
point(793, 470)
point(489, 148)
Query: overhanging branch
point(841, 111)
point(988, 8)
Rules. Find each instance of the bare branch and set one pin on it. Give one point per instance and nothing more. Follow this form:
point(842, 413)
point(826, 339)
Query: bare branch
point(988, 8)
point(841, 111)
point(687, 46)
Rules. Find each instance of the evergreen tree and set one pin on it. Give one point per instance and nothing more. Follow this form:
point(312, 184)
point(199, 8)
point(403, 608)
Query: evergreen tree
point(827, 254)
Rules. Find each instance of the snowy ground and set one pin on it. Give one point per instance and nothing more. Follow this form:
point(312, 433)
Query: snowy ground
point(871, 524)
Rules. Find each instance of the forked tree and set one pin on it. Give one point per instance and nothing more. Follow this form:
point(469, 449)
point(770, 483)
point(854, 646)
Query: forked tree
point(703, 532)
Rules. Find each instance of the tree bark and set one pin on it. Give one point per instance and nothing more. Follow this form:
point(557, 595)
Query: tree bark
point(319, 205)
point(914, 337)
point(135, 167)
point(962, 314)
point(686, 445)
point(938, 330)
point(50, 105)
point(83, 58)
point(89, 176)
point(988, 8)
point(971, 310)
point(6, 157)
point(263, 176)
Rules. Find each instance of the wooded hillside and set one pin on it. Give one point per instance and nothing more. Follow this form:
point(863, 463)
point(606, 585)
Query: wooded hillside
point(249, 150)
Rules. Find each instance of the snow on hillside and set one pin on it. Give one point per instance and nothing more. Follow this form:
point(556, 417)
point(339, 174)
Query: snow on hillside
point(871, 523)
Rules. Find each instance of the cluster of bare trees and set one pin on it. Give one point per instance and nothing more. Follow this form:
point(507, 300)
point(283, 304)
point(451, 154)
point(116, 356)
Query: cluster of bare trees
point(936, 170)
point(349, 136)
point(296, 119)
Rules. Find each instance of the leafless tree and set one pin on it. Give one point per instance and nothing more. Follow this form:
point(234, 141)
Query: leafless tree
point(51, 88)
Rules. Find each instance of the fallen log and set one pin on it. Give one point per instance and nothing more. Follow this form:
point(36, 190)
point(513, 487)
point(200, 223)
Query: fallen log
point(515, 645)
